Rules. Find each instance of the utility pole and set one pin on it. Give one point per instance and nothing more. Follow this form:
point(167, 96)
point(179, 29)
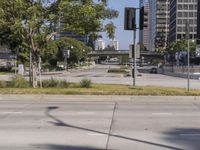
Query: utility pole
point(187, 33)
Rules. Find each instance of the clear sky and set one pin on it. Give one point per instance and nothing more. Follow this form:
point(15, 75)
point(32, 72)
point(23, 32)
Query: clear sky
point(125, 37)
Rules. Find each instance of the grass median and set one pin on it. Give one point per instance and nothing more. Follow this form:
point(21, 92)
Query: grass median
point(104, 89)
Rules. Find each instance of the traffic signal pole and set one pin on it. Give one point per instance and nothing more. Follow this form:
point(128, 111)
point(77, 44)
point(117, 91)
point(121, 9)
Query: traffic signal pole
point(130, 24)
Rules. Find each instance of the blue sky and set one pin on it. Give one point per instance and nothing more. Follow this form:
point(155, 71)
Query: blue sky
point(125, 37)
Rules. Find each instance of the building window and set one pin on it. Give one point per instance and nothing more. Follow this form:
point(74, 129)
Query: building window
point(185, 7)
point(179, 14)
point(179, 21)
point(185, 14)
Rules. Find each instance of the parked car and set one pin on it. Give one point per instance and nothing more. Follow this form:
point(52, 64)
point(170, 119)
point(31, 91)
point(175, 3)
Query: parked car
point(154, 70)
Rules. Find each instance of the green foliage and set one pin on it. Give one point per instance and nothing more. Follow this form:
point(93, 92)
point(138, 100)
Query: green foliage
point(19, 82)
point(117, 71)
point(31, 25)
point(50, 53)
point(181, 45)
point(55, 83)
point(78, 51)
point(85, 83)
point(110, 28)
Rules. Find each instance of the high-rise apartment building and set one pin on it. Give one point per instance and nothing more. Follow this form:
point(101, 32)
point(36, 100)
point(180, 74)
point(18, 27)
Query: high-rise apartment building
point(144, 34)
point(181, 12)
point(162, 24)
point(100, 45)
point(114, 43)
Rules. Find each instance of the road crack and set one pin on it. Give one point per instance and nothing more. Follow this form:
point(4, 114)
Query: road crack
point(111, 125)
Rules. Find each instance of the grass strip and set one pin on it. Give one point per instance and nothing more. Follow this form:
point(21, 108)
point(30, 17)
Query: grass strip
point(105, 89)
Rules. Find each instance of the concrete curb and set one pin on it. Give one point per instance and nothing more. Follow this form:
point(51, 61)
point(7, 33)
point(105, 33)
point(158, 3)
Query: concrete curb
point(100, 98)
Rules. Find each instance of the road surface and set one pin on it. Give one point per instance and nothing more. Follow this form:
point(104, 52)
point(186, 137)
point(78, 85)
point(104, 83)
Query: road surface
point(100, 125)
point(99, 74)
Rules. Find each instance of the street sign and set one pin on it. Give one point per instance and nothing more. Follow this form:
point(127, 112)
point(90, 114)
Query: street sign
point(66, 53)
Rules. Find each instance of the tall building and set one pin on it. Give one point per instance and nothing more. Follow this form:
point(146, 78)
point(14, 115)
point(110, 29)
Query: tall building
point(144, 34)
point(198, 30)
point(158, 24)
point(182, 12)
point(162, 24)
point(152, 24)
point(114, 43)
point(198, 23)
point(100, 45)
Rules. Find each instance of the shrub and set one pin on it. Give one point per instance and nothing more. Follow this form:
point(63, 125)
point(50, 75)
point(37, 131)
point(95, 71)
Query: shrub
point(63, 84)
point(55, 83)
point(3, 84)
point(85, 83)
point(19, 82)
point(117, 71)
point(49, 83)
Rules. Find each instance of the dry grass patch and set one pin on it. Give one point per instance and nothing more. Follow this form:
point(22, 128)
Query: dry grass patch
point(104, 89)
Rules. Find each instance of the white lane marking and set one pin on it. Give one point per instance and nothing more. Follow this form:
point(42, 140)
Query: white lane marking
point(12, 112)
point(189, 134)
point(167, 114)
point(95, 134)
point(85, 113)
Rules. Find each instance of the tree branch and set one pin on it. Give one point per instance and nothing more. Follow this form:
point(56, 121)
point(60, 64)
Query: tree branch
point(51, 35)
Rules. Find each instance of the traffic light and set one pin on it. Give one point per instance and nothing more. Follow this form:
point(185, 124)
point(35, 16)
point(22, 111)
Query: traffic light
point(130, 19)
point(143, 18)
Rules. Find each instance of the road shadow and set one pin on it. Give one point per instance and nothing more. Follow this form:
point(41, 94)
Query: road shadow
point(60, 123)
point(187, 137)
point(64, 147)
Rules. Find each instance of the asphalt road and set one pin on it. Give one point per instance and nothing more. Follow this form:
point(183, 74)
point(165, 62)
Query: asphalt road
point(89, 125)
point(99, 74)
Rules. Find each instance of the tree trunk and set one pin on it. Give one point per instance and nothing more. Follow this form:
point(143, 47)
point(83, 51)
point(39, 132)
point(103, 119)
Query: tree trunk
point(34, 69)
point(34, 60)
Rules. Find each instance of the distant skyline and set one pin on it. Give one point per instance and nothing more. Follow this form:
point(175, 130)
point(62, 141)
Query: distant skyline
point(125, 37)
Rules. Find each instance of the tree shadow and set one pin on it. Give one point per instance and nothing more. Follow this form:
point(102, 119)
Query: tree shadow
point(187, 137)
point(64, 147)
point(60, 123)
